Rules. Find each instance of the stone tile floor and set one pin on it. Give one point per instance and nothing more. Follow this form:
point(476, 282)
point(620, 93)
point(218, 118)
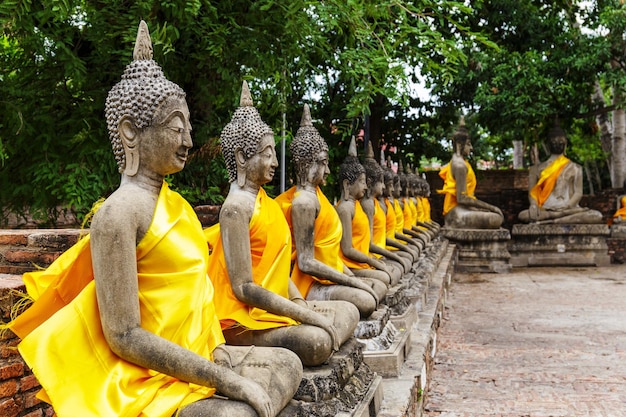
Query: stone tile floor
point(536, 342)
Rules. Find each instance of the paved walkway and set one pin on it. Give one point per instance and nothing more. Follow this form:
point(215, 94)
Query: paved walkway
point(536, 342)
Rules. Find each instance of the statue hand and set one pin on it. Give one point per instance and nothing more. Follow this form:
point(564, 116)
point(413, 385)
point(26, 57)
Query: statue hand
point(253, 394)
point(332, 331)
point(371, 292)
point(533, 212)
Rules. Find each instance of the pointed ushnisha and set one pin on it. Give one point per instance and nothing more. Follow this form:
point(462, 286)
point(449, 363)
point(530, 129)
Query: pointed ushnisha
point(246, 97)
point(143, 44)
point(352, 148)
point(306, 117)
point(369, 152)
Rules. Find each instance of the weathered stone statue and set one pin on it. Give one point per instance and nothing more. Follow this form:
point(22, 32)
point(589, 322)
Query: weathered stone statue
point(461, 209)
point(396, 239)
point(556, 187)
point(251, 255)
point(420, 191)
point(356, 236)
point(124, 322)
point(377, 217)
point(620, 214)
point(316, 229)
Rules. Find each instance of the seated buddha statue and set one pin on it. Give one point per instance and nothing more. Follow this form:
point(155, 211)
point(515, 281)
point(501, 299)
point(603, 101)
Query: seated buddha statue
point(419, 192)
point(556, 187)
point(461, 208)
point(377, 216)
point(356, 237)
point(318, 270)
point(404, 215)
point(124, 323)
point(620, 214)
point(250, 259)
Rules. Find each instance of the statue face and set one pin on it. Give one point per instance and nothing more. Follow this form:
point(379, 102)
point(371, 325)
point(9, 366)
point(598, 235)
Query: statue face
point(397, 189)
point(377, 189)
point(318, 170)
point(388, 189)
point(467, 148)
point(358, 188)
point(164, 146)
point(261, 166)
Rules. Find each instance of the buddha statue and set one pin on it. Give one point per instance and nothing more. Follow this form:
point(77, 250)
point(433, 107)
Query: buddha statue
point(318, 271)
point(556, 187)
point(377, 216)
point(396, 239)
point(419, 191)
point(461, 209)
point(620, 214)
point(124, 323)
point(404, 214)
point(355, 240)
point(250, 258)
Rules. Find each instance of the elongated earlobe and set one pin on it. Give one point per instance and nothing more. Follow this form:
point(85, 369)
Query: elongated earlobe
point(241, 167)
point(130, 140)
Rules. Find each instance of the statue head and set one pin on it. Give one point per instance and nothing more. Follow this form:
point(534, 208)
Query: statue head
point(241, 137)
point(557, 140)
point(309, 153)
point(403, 180)
point(388, 177)
point(461, 139)
point(373, 173)
point(352, 174)
point(133, 102)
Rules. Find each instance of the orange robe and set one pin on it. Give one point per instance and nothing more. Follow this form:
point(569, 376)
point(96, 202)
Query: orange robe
point(407, 213)
point(327, 239)
point(379, 235)
point(425, 205)
point(547, 180)
point(397, 208)
point(449, 186)
point(62, 335)
point(390, 224)
point(361, 237)
point(270, 249)
point(621, 211)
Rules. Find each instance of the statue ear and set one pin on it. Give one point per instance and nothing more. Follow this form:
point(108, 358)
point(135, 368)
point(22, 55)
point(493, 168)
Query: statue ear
point(241, 160)
point(129, 135)
point(345, 189)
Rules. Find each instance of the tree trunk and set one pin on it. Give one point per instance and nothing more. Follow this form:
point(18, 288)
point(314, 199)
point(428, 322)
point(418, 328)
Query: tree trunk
point(518, 154)
point(618, 153)
point(604, 124)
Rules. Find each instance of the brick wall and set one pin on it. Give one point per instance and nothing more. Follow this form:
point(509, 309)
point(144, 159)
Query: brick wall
point(22, 251)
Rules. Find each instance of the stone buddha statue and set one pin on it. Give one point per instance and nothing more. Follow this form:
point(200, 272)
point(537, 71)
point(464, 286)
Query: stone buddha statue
point(556, 187)
point(251, 249)
point(396, 239)
point(356, 237)
point(378, 217)
point(318, 271)
point(420, 192)
point(402, 205)
point(620, 214)
point(461, 209)
point(124, 322)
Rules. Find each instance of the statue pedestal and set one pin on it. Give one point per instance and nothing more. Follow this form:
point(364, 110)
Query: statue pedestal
point(404, 313)
point(560, 244)
point(481, 250)
point(618, 230)
point(385, 347)
point(344, 386)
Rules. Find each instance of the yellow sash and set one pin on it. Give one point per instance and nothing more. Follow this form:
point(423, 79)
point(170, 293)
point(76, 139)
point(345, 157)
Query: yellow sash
point(68, 353)
point(397, 208)
point(390, 226)
point(622, 210)
point(379, 237)
point(270, 249)
point(547, 179)
point(327, 235)
point(449, 186)
point(407, 214)
point(361, 237)
point(425, 209)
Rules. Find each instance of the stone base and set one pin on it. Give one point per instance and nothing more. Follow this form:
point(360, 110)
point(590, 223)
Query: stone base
point(559, 245)
point(618, 230)
point(344, 386)
point(388, 362)
point(481, 250)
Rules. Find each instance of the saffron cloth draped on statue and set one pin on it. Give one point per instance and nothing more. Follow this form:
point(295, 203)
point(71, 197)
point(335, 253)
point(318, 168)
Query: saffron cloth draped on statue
point(62, 335)
point(379, 228)
point(361, 237)
point(449, 186)
point(397, 209)
point(327, 234)
point(547, 179)
point(270, 249)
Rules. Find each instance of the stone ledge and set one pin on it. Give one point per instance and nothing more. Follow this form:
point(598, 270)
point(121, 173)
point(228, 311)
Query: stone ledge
point(600, 229)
